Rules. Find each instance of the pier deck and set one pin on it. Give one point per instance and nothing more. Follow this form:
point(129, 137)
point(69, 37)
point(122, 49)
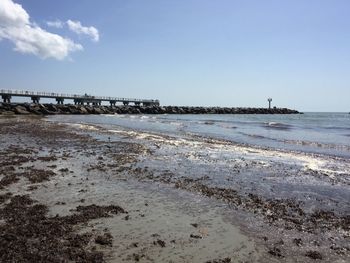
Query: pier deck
point(7, 95)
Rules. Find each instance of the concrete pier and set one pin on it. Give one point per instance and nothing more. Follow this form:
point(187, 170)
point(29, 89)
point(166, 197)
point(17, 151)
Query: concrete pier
point(7, 95)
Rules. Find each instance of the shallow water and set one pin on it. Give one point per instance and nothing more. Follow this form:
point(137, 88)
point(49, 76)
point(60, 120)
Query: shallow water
point(322, 133)
point(283, 167)
point(265, 170)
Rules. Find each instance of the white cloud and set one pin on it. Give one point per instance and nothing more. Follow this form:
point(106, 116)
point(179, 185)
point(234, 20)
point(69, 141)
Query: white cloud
point(77, 27)
point(12, 14)
point(56, 23)
point(34, 40)
point(29, 38)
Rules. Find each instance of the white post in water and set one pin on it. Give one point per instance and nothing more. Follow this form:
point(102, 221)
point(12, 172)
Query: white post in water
point(269, 100)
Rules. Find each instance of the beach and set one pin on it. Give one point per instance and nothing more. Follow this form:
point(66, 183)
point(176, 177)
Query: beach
point(88, 190)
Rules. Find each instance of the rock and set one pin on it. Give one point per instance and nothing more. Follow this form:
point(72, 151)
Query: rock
point(52, 108)
point(89, 109)
point(98, 111)
point(34, 108)
point(136, 111)
point(36, 112)
point(83, 110)
point(73, 109)
point(20, 110)
point(46, 111)
point(64, 109)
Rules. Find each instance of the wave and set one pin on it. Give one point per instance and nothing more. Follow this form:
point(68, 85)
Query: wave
point(209, 122)
point(256, 136)
point(337, 128)
point(301, 142)
point(277, 126)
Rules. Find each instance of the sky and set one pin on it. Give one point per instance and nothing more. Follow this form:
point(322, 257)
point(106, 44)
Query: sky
point(183, 52)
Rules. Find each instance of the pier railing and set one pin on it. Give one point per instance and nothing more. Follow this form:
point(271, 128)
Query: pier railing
point(23, 93)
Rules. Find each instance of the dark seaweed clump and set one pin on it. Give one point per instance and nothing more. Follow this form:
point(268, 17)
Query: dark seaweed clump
point(28, 235)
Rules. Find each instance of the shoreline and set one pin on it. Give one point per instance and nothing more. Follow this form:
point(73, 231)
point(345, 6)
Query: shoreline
point(51, 109)
point(143, 197)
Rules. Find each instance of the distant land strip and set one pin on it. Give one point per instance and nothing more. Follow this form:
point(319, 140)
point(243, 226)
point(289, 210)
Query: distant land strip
point(51, 109)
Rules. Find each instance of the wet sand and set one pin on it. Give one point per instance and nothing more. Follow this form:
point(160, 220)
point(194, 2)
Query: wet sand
point(91, 194)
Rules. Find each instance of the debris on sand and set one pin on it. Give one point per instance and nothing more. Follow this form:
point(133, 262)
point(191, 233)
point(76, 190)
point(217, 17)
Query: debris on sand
point(37, 175)
point(313, 255)
point(5, 197)
point(159, 242)
point(7, 180)
point(225, 260)
point(275, 251)
point(94, 211)
point(104, 240)
point(29, 234)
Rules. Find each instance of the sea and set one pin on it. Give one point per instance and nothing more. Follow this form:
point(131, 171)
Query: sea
point(318, 133)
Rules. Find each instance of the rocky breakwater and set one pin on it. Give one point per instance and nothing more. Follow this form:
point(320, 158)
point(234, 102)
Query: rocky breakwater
point(48, 109)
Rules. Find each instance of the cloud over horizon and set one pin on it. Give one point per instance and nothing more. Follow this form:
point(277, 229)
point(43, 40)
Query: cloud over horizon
point(29, 38)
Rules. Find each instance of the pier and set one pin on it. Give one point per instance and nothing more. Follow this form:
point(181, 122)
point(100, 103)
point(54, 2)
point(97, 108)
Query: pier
point(7, 95)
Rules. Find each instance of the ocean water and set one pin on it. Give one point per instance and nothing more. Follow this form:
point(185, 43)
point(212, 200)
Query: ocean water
point(320, 133)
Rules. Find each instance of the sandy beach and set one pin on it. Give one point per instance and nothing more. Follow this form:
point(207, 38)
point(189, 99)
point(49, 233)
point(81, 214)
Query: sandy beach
point(174, 131)
point(84, 193)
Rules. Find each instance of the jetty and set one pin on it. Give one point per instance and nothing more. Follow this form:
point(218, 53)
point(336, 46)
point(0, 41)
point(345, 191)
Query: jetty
point(87, 104)
point(7, 95)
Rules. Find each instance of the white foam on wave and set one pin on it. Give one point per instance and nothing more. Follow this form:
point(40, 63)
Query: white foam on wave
point(83, 126)
point(329, 167)
point(272, 123)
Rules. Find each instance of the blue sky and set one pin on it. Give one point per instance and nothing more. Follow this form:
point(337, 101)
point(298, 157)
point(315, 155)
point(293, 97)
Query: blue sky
point(191, 52)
